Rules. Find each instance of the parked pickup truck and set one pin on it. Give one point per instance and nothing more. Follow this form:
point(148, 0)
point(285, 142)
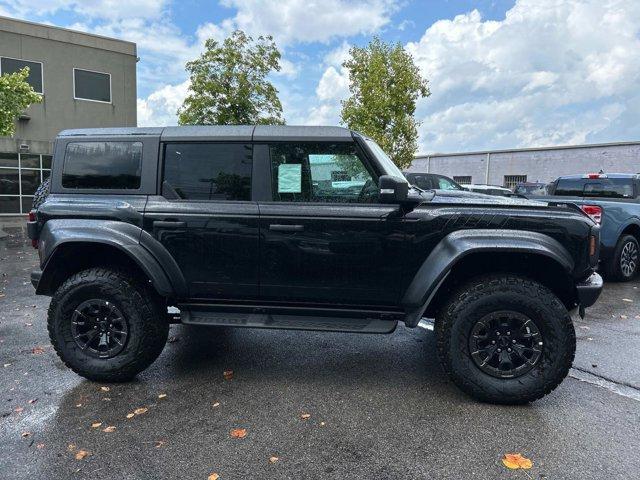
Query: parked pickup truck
point(613, 201)
point(308, 228)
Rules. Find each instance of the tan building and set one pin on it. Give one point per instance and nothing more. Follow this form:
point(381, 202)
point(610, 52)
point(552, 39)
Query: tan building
point(85, 80)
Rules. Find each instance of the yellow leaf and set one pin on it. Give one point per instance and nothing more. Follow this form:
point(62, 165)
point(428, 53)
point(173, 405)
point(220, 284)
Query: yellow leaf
point(109, 429)
point(238, 433)
point(26, 434)
point(213, 476)
point(140, 411)
point(227, 374)
point(515, 461)
point(273, 459)
point(131, 415)
point(96, 425)
point(105, 389)
point(162, 395)
point(305, 416)
point(82, 454)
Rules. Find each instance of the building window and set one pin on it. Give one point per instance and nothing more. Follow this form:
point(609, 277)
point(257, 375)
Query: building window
point(462, 180)
point(20, 175)
point(511, 181)
point(93, 86)
point(13, 65)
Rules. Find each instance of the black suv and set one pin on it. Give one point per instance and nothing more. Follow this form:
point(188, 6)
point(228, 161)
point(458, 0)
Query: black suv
point(310, 228)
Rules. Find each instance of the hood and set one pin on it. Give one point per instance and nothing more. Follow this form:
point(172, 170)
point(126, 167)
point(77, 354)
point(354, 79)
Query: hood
point(463, 196)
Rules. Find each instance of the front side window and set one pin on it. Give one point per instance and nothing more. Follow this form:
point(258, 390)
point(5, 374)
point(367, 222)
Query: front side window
point(102, 165)
point(320, 172)
point(88, 85)
point(13, 65)
point(207, 171)
point(445, 184)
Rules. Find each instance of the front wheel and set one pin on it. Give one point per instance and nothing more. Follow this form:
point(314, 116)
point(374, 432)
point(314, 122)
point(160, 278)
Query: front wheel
point(505, 339)
point(106, 325)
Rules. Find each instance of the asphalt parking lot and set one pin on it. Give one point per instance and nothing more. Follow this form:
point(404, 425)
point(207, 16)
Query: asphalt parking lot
point(379, 407)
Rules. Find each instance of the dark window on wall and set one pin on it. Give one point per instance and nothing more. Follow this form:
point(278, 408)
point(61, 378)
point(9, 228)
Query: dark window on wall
point(207, 171)
point(102, 165)
point(462, 180)
point(89, 85)
point(12, 65)
point(511, 181)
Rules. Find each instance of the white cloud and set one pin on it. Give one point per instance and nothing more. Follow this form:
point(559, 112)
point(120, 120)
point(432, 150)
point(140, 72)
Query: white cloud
point(550, 73)
point(109, 9)
point(304, 21)
point(161, 106)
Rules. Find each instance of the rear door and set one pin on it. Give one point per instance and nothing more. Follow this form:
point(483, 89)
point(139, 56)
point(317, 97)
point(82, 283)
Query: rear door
point(324, 236)
point(206, 219)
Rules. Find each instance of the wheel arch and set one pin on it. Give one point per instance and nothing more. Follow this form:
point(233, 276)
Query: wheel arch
point(465, 254)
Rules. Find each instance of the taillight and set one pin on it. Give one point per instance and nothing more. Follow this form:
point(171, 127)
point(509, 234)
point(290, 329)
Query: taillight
point(594, 211)
point(32, 218)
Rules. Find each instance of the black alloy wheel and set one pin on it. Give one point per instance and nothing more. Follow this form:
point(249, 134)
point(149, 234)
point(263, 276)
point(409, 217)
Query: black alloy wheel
point(505, 344)
point(99, 328)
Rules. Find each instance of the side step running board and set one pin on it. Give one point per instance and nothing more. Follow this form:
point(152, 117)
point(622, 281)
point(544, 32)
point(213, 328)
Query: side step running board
point(291, 322)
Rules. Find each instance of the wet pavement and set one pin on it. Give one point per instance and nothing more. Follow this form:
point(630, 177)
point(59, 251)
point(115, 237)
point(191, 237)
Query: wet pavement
point(380, 406)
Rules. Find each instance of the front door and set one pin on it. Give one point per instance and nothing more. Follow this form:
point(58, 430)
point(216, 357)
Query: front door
point(206, 220)
point(324, 237)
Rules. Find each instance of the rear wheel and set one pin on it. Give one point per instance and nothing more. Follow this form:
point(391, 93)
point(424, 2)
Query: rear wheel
point(105, 325)
point(625, 260)
point(505, 339)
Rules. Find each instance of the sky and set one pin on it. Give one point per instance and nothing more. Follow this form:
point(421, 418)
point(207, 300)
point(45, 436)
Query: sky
point(502, 73)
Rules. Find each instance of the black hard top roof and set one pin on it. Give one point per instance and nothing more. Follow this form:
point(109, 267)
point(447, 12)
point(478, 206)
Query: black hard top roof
point(221, 132)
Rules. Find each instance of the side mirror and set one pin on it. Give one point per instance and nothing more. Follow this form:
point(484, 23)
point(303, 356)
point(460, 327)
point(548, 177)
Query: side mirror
point(393, 189)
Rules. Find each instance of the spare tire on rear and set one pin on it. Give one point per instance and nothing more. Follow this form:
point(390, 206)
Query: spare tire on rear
point(41, 194)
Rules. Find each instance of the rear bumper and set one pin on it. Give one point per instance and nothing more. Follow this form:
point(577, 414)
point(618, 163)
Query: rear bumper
point(589, 290)
point(35, 278)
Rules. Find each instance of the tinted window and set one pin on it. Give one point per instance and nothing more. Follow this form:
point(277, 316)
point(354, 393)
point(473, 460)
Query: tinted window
point(11, 65)
point(571, 187)
point(103, 165)
point(420, 181)
point(207, 171)
point(320, 172)
point(609, 187)
point(92, 85)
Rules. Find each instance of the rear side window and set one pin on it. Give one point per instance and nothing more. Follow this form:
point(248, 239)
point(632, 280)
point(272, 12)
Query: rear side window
point(102, 165)
point(207, 171)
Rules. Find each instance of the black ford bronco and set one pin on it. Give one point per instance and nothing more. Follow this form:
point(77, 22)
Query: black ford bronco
point(309, 228)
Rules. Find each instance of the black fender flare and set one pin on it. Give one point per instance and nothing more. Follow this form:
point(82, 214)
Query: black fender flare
point(146, 252)
point(457, 245)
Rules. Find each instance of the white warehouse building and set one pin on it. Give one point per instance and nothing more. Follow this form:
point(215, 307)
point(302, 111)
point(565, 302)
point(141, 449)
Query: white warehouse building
point(513, 166)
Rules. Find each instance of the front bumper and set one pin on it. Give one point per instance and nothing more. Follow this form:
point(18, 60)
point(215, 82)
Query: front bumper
point(589, 290)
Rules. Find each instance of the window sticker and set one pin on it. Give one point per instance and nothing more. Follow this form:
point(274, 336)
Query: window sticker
point(290, 178)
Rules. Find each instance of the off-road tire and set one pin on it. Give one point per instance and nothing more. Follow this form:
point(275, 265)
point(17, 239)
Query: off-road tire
point(42, 192)
point(139, 304)
point(486, 294)
point(614, 270)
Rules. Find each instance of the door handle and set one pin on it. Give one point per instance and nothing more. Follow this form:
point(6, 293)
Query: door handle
point(169, 224)
point(286, 228)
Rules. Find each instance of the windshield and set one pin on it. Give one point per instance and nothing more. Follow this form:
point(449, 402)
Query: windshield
point(388, 165)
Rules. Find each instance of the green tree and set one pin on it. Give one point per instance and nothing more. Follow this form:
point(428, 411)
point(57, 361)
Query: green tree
point(229, 84)
point(16, 95)
point(385, 84)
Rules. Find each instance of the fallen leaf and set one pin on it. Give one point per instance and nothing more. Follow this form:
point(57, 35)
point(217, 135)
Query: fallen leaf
point(515, 461)
point(105, 389)
point(82, 454)
point(28, 324)
point(217, 404)
point(227, 374)
point(131, 415)
point(238, 433)
point(624, 317)
point(25, 434)
point(32, 401)
point(40, 446)
point(109, 429)
point(37, 350)
point(162, 395)
point(71, 447)
point(6, 365)
point(18, 409)
point(140, 411)
point(322, 424)
point(213, 476)
point(96, 424)
point(273, 459)
point(78, 405)
point(305, 416)
point(160, 443)
point(627, 300)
